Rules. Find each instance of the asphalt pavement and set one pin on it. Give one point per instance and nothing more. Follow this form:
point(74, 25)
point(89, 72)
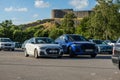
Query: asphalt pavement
point(14, 66)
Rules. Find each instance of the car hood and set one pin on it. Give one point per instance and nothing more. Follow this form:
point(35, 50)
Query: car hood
point(47, 45)
point(82, 42)
point(7, 42)
point(103, 45)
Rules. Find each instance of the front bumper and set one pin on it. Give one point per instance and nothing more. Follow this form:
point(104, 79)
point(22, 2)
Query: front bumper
point(45, 53)
point(105, 49)
point(7, 47)
point(86, 53)
point(85, 50)
point(115, 60)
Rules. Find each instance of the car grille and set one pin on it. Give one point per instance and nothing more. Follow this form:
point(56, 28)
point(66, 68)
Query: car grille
point(88, 47)
point(52, 51)
point(7, 44)
point(106, 47)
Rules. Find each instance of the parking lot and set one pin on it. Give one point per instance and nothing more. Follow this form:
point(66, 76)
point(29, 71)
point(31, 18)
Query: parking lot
point(14, 66)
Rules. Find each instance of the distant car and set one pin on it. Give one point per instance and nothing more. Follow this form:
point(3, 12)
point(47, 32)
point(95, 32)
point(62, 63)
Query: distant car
point(110, 42)
point(23, 44)
point(17, 45)
point(44, 47)
point(7, 43)
point(116, 54)
point(102, 47)
point(76, 45)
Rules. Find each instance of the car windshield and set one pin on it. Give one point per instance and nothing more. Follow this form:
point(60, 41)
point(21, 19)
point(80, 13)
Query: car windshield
point(44, 40)
point(98, 41)
point(5, 40)
point(76, 38)
point(113, 41)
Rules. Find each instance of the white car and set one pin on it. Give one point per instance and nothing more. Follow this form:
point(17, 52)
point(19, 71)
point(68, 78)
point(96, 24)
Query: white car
point(6, 43)
point(42, 46)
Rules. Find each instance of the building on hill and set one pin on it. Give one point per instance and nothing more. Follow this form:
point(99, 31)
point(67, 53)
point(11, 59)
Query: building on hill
point(81, 14)
point(59, 13)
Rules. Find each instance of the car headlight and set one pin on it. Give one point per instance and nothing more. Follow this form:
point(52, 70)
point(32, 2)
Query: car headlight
point(2, 44)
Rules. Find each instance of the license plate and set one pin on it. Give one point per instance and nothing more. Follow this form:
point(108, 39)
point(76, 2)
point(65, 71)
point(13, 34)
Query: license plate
point(53, 51)
point(89, 50)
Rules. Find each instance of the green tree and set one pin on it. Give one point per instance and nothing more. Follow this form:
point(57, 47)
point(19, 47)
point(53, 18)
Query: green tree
point(103, 23)
point(41, 33)
point(18, 36)
point(82, 29)
point(55, 33)
point(68, 23)
point(34, 31)
point(105, 20)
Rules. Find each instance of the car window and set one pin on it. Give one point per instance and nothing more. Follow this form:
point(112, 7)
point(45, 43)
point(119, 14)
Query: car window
point(76, 38)
point(44, 40)
point(98, 41)
point(31, 40)
point(61, 39)
point(5, 40)
point(118, 41)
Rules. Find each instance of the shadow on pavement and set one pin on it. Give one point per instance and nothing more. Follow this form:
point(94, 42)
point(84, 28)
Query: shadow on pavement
point(82, 57)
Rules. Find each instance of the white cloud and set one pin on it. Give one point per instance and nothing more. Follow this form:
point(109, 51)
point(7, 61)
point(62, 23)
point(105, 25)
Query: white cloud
point(9, 9)
point(41, 4)
point(22, 9)
point(79, 4)
point(35, 16)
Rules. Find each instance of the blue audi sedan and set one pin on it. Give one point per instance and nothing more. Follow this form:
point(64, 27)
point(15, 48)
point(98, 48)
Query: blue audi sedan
point(74, 44)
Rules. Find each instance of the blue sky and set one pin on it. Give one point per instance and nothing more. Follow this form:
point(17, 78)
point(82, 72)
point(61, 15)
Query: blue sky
point(26, 11)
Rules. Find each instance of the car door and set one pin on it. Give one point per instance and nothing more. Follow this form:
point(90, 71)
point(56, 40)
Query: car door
point(30, 46)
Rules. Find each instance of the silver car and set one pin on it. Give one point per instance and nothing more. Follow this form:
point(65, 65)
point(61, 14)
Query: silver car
point(6, 43)
point(102, 47)
point(116, 54)
point(42, 46)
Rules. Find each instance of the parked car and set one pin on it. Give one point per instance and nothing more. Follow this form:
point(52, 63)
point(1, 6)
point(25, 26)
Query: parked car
point(44, 47)
point(76, 45)
point(110, 42)
point(116, 54)
point(102, 47)
point(18, 45)
point(23, 44)
point(7, 43)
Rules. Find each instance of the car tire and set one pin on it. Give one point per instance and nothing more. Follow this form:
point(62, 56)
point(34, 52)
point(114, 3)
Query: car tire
point(119, 65)
point(36, 53)
point(110, 52)
point(71, 53)
point(26, 54)
point(93, 55)
point(13, 49)
point(59, 56)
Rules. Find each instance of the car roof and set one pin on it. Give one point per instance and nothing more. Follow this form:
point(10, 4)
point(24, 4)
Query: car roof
point(72, 34)
point(4, 38)
point(41, 37)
